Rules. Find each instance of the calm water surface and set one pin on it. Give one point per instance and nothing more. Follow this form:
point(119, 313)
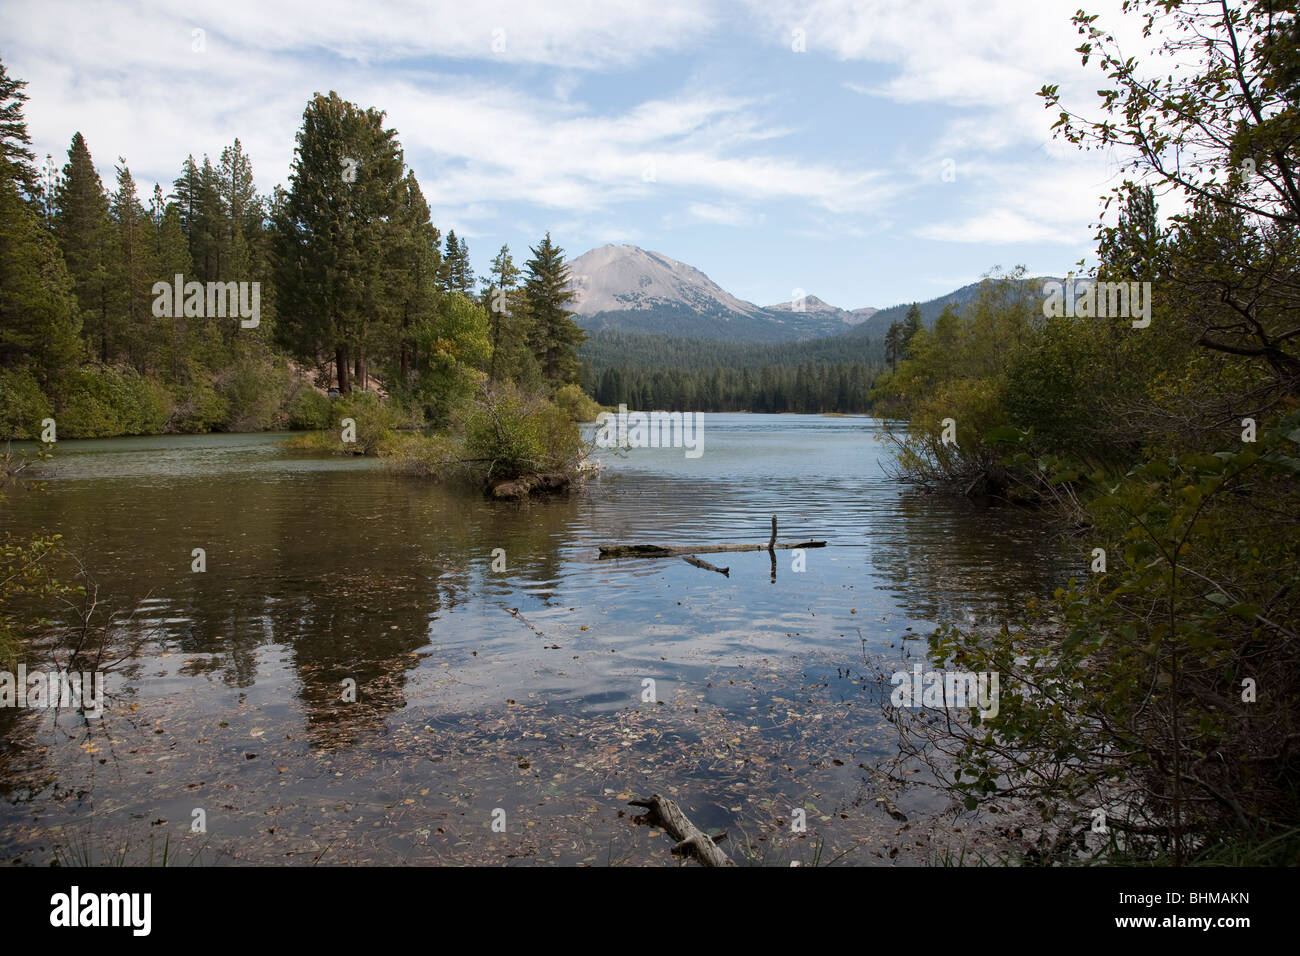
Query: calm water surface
point(514, 695)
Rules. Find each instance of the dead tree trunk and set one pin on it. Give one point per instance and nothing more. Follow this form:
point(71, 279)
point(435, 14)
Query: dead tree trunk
point(676, 551)
point(690, 838)
point(691, 559)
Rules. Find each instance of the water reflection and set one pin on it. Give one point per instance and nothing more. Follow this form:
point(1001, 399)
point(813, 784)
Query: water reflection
point(323, 570)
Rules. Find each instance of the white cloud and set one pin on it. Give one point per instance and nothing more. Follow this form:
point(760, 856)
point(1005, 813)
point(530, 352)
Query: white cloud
point(723, 215)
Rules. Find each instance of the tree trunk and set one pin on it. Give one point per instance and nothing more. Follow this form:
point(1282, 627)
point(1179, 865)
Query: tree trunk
point(341, 363)
point(406, 360)
point(690, 839)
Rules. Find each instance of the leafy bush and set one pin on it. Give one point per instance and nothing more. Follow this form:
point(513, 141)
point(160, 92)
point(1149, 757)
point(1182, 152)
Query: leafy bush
point(442, 457)
point(576, 404)
point(1161, 689)
point(515, 433)
point(310, 410)
point(105, 402)
point(253, 390)
point(196, 406)
point(22, 405)
point(374, 419)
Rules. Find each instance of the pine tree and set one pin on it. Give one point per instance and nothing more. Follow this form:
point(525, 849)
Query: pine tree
point(199, 199)
point(554, 335)
point(331, 230)
point(500, 299)
point(412, 277)
point(131, 276)
point(47, 189)
point(464, 276)
point(17, 163)
point(81, 226)
point(911, 325)
point(185, 191)
point(456, 274)
point(894, 344)
point(205, 242)
point(38, 307)
point(169, 256)
point(241, 212)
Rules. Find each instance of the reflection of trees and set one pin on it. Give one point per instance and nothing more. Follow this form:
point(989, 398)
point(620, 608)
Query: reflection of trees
point(345, 569)
point(531, 534)
point(942, 557)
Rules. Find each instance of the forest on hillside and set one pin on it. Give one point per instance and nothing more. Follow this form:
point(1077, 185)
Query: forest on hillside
point(831, 374)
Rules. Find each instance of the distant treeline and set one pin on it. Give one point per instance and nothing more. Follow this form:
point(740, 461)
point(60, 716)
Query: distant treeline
point(808, 388)
point(656, 371)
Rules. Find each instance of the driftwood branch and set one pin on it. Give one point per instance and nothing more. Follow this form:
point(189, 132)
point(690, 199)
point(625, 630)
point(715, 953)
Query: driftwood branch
point(691, 559)
point(676, 551)
point(690, 839)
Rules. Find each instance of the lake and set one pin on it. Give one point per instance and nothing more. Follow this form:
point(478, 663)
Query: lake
point(499, 716)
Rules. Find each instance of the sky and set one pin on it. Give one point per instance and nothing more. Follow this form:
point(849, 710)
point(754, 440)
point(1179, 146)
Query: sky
point(869, 153)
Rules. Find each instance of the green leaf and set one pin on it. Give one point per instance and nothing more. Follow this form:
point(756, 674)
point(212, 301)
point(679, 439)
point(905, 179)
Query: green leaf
point(1246, 612)
point(1004, 434)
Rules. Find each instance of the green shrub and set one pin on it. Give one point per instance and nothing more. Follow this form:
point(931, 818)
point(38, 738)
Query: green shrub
point(310, 410)
point(374, 420)
point(576, 404)
point(105, 402)
point(253, 390)
point(196, 407)
point(22, 405)
point(430, 456)
point(517, 433)
point(1133, 690)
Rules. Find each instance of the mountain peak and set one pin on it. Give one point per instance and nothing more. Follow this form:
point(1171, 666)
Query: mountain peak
point(622, 286)
point(809, 303)
point(619, 278)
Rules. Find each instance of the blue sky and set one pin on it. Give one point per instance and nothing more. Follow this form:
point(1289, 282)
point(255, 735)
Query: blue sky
point(775, 145)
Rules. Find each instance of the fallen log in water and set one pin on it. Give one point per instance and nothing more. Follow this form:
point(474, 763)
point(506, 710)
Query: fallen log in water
point(690, 839)
point(519, 488)
point(676, 551)
point(691, 559)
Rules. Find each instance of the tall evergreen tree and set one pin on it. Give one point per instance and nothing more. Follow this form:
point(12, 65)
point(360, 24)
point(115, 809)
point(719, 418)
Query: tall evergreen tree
point(500, 299)
point(464, 276)
point(331, 229)
point(241, 212)
point(17, 162)
point(911, 325)
point(412, 272)
point(81, 225)
point(894, 344)
point(170, 256)
point(47, 188)
point(456, 274)
point(554, 334)
point(38, 307)
point(131, 274)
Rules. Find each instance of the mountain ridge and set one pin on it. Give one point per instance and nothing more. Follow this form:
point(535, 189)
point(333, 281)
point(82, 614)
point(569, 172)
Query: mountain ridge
point(624, 288)
point(627, 288)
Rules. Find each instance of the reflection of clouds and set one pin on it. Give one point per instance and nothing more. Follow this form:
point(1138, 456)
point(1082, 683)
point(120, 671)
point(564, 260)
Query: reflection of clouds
point(317, 576)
